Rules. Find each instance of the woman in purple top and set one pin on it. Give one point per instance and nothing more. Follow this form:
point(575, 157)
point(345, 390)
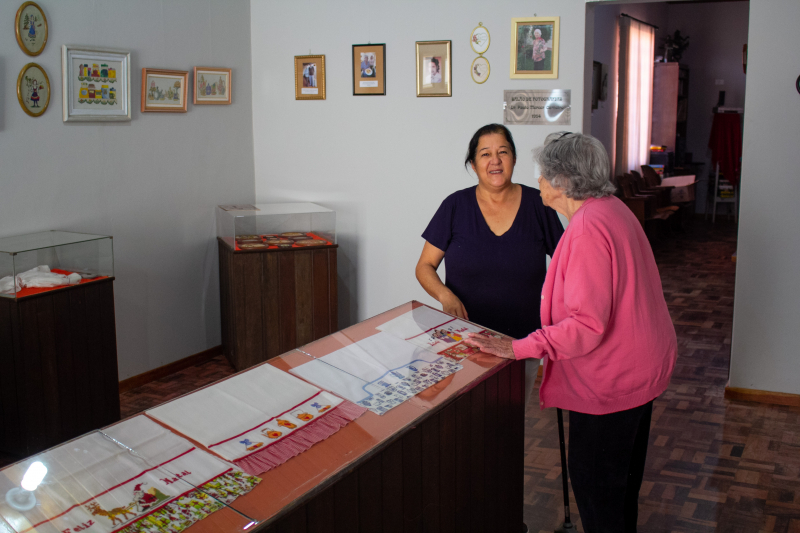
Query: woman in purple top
point(495, 236)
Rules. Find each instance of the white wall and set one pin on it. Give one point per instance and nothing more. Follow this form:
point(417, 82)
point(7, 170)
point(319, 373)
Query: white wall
point(154, 181)
point(764, 353)
point(385, 163)
point(717, 32)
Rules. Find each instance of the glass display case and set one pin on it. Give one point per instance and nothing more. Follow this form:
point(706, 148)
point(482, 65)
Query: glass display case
point(48, 260)
point(264, 227)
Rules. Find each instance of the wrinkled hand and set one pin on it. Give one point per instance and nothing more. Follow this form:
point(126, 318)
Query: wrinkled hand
point(452, 305)
point(499, 347)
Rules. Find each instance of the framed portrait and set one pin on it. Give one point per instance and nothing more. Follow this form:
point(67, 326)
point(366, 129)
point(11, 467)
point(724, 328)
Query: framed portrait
point(33, 89)
point(480, 39)
point(309, 77)
point(369, 69)
point(434, 70)
point(95, 84)
point(480, 69)
point(534, 47)
point(31, 28)
point(211, 86)
point(164, 91)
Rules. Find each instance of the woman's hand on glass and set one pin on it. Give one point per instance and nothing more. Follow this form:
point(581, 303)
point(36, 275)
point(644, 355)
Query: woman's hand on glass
point(499, 347)
point(451, 304)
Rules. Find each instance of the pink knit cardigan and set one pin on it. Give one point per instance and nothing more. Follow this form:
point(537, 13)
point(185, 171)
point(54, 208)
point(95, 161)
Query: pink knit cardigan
point(607, 339)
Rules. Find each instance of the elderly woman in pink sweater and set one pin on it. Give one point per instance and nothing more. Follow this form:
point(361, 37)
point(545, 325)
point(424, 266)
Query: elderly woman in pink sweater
point(607, 340)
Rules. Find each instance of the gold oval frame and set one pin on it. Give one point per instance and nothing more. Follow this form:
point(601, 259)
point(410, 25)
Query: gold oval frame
point(472, 67)
point(16, 29)
point(489, 35)
point(19, 93)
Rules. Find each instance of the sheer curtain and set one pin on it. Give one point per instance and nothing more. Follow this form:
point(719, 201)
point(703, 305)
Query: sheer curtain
point(635, 89)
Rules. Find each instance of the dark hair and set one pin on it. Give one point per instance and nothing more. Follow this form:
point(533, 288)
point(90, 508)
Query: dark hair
point(488, 130)
point(434, 60)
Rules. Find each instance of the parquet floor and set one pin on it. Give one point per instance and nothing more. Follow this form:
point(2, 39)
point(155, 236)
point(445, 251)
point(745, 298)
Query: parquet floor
point(713, 464)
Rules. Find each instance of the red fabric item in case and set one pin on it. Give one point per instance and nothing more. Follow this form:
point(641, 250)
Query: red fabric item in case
point(726, 145)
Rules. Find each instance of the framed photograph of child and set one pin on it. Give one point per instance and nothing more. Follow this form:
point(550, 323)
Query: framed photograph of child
point(309, 77)
point(434, 71)
point(212, 86)
point(369, 69)
point(534, 47)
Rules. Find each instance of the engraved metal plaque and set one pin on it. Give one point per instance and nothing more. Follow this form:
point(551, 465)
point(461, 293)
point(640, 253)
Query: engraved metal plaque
point(540, 107)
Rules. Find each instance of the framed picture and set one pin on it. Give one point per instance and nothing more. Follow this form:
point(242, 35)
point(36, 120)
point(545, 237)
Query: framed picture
point(369, 69)
point(480, 69)
point(480, 39)
point(534, 47)
point(212, 86)
point(434, 71)
point(164, 91)
point(31, 27)
point(95, 84)
point(33, 89)
point(309, 77)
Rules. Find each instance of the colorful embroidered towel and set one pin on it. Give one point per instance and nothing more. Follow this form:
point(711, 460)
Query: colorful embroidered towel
point(258, 419)
point(137, 477)
point(437, 332)
point(379, 372)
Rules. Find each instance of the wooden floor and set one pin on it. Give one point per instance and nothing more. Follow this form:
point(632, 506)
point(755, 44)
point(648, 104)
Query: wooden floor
point(713, 464)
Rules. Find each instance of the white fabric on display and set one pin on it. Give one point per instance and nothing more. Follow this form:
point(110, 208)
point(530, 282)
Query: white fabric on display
point(379, 372)
point(259, 418)
point(141, 482)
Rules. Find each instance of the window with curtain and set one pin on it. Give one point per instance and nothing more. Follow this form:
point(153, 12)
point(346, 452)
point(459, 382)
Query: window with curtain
point(635, 94)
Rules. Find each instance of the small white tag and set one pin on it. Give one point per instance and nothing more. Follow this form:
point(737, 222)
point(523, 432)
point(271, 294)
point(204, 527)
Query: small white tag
point(309, 90)
point(368, 84)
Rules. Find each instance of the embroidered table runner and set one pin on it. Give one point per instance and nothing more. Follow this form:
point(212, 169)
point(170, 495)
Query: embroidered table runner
point(379, 372)
point(132, 477)
point(437, 332)
point(258, 419)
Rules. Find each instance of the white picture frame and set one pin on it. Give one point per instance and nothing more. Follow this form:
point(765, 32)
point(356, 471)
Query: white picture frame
point(109, 85)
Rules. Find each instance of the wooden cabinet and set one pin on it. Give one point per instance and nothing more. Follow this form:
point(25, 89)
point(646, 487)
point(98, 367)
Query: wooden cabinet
point(58, 366)
point(275, 300)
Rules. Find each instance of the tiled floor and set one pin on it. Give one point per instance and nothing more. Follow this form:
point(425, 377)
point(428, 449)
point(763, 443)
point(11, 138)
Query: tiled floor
point(713, 464)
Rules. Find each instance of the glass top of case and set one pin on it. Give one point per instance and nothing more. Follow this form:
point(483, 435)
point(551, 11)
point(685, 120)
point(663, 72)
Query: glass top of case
point(275, 209)
point(44, 239)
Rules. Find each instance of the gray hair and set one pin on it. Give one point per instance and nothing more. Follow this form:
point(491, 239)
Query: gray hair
point(576, 163)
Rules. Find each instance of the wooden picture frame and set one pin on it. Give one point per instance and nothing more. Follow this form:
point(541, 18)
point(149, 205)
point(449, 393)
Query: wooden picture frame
point(33, 89)
point(31, 28)
point(534, 47)
point(95, 84)
point(212, 86)
point(369, 69)
point(164, 91)
point(434, 68)
point(309, 77)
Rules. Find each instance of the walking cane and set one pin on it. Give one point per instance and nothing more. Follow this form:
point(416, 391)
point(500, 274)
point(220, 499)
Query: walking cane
point(567, 525)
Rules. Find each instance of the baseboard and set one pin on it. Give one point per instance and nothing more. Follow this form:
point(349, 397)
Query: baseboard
point(762, 396)
point(163, 371)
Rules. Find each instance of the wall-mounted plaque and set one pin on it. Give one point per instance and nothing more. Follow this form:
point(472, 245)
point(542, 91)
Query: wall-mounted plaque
point(540, 107)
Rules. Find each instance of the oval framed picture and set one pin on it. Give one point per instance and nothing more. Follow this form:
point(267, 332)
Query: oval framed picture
point(480, 39)
point(480, 69)
point(33, 89)
point(31, 27)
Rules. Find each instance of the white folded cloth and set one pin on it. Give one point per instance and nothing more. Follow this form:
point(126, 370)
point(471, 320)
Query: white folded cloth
point(38, 277)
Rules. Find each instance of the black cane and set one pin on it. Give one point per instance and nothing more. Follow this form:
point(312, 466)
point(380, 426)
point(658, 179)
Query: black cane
point(567, 525)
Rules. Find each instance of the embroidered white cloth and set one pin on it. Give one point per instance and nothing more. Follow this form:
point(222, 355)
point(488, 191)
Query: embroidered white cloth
point(434, 331)
point(379, 372)
point(38, 277)
point(258, 419)
point(165, 484)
